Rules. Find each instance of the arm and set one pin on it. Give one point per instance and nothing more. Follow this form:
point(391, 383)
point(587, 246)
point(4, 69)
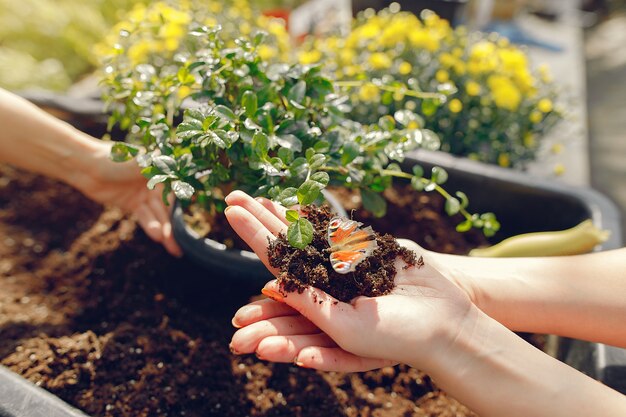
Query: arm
point(36, 141)
point(576, 296)
point(428, 323)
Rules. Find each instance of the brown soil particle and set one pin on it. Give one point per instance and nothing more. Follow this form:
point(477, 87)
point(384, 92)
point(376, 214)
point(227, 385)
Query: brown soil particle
point(311, 266)
point(99, 315)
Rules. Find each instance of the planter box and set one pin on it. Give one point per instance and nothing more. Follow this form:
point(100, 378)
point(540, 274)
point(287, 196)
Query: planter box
point(515, 198)
point(451, 10)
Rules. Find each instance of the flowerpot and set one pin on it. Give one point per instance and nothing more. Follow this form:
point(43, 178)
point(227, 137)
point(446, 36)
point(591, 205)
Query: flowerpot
point(217, 258)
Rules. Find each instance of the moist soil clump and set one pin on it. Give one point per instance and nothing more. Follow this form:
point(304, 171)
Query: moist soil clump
point(311, 266)
point(96, 313)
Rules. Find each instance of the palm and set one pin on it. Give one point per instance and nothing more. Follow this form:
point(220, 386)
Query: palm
point(422, 300)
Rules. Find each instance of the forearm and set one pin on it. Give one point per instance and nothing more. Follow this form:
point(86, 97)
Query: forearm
point(577, 296)
point(33, 140)
point(496, 373)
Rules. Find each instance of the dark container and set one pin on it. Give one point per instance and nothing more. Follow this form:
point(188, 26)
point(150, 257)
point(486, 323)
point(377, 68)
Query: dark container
point(451, 10)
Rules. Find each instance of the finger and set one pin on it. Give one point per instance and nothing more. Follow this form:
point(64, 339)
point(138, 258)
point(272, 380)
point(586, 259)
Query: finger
point(160, 211)
point(410, 245)
point(252, 231)
point(246, 340)
point(325, 311)
point(275, 208)
point(149, 223)
point(261, 310)
point(337, 359)
point(268, 218)
point(286, 348)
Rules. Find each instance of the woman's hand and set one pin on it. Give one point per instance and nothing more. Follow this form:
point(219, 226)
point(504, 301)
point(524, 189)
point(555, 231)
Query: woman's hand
point(415, 324)
point(122, 185)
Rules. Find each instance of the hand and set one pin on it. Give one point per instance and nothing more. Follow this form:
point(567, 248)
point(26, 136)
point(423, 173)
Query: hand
point(122, 185)
point(415, 324)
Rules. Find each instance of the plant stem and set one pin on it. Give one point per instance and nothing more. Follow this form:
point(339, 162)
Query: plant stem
point(405, 91)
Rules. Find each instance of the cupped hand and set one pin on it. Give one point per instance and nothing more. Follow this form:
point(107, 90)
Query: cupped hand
point(415, 324)
point(123, 186)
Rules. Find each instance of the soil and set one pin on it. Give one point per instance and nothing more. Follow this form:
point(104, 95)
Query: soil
point(300, 268)
point(96, 313)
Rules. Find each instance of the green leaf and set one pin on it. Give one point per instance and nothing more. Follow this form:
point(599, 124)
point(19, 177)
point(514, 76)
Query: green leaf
point(309, 191)
point(249, 103)
point(290, 142)
point(286, 155)
point(260, 144)
point(418, 183)
point(373, 202)
point(430, 106)
point(226, 113)
point(387, 123)
point(182, 190)
point(463, 198)
point(297, 92)
point(418, 171)
point(452, 206)
point(350, 151)
point(288, 197)
point(292, 216)
point(439, 175)
point(121, 152)
point(300, 233)
point(464, 226)
point(316, 161)
point(321, 177)
point(166, 164)
point(157, 179)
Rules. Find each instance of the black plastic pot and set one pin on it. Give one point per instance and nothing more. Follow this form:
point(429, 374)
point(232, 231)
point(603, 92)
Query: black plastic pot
point(217, 258)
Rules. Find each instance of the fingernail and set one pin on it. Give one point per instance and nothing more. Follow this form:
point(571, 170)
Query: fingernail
point(233, 350)
point(274, 295)
point(227, 208)
point(298, 363)
point(259, 356)
point(259, 199)
point(235, 325)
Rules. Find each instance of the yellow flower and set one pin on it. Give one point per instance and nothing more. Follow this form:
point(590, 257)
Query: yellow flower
point(535, 116)
point(413, 124)
point(473, 88)
point(505, 94)
point(267, 52)
point(529, 140)
point(544, 73)
point(347, 55)
point(183, 92)
point(442, 76)
point(380, 60)
point(447, 60)
point(559, 169)
point(351, 70)
point(504, 160)
point(369, 92)
point(557, 148)
point(405, 68)
point(309, 57)
point(545, 105)
point(455, 105)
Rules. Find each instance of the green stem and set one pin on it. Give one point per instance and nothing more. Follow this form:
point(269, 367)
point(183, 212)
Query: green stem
point(403, 90)
point(424, 181)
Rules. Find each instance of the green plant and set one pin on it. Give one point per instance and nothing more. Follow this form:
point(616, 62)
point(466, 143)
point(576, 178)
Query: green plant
point(266, 128)
point(492, 105)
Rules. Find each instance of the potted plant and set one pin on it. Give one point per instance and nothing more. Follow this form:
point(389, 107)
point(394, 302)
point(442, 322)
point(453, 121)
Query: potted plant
point(491, 105)
point(206, 118)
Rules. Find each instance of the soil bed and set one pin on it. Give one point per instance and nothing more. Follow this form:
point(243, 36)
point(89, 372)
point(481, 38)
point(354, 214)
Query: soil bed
point(96, 313)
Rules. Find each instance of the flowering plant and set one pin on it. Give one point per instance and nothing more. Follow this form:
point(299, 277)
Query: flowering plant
point(490, 105)
point(208, 113)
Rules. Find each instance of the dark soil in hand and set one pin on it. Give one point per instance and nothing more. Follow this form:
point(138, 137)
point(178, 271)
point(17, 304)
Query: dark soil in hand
point(99, 315)
point(299, 268)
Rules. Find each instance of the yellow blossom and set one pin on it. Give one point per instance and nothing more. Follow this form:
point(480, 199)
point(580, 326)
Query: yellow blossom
point(379, 61)
point(504, 160)
point(535, 116)
point(442, 76)
point(405, 68)
point(559, 169)
point(545, 105)
point(473, 88)
point(504, 92)
point(556, 148)
point(183, 92)
point(455, 105)
point(369, 92)
point(309, 57)
point(267, 52)
point(529, 140)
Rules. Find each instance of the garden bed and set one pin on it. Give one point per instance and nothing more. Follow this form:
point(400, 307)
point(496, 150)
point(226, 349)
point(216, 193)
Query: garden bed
point(100, 316)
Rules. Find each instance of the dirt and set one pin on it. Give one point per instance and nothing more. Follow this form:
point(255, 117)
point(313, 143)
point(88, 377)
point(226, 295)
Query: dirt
point(311, 266)
point(96, 313)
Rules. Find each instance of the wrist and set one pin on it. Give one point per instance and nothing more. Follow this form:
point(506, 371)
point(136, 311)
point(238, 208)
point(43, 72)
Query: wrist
point(84, 161)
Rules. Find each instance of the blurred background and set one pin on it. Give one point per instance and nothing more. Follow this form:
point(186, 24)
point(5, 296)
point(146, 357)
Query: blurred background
point(50, 45)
